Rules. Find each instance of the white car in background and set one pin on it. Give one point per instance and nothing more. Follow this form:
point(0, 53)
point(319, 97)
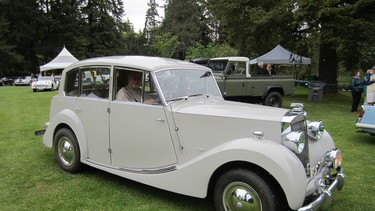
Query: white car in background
point(44, 83)
point(24, 81)
point(177, 133)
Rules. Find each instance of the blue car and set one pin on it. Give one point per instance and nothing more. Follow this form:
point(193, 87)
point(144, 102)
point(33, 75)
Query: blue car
point(366, 120)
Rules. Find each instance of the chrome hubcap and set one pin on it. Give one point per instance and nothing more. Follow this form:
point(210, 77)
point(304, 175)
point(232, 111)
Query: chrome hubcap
point(66, 151)
point(241, 196)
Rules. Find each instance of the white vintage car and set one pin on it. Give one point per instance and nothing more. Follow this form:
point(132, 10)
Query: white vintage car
point(44, 83)
point(24, 81)
point(164, 123)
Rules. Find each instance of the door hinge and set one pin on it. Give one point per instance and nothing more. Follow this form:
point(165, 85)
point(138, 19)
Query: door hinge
point(109, 110)
point(109, 150)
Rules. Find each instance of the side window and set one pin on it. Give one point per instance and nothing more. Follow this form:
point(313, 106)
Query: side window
point(237, 68)
point(71, 83)
point(135, 86)
point(95, 82)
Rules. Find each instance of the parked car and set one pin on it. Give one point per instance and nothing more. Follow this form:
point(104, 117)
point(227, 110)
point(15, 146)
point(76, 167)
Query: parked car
point(57, 80)
point(366, 120)
point(44, 83)
point(6, 81)
point(238, 83)
point(177, 133)
point(24, 81)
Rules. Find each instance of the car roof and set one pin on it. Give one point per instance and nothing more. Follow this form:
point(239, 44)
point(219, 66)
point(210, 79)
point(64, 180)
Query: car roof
point(232, 58)
point(138, 62)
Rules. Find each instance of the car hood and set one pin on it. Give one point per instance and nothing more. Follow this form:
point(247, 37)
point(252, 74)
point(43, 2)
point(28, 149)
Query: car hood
point(203, 124)
point(223, 108)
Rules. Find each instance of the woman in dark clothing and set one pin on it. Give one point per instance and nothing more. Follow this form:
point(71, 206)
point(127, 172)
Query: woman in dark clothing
point(356, 88)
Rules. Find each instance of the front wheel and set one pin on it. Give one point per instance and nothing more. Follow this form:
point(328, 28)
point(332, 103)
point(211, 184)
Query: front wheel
point(273, 99)
point(67, 151)
point(243, 190)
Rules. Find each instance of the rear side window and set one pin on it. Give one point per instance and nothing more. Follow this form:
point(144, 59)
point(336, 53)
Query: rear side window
point(95, 82)
point(88, 82)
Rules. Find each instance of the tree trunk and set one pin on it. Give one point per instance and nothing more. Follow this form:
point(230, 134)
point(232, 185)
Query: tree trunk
point(328, 65)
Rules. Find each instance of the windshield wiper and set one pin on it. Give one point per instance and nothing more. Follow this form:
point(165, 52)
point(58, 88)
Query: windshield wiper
point(206, 74)
point(194, 95)
point(183, 97)
point(175, 99)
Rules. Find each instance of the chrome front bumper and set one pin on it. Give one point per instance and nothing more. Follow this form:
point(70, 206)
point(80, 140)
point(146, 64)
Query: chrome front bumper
point(325, 199)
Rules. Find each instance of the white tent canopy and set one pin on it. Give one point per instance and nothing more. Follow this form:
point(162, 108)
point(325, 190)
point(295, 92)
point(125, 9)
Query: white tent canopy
point(280, 55)
point(64, 59)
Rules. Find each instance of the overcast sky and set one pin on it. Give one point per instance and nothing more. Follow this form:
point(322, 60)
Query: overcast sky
point(135, 11)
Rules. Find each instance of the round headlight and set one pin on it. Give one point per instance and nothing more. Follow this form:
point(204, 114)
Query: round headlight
point(316, 129)
point(295, 141)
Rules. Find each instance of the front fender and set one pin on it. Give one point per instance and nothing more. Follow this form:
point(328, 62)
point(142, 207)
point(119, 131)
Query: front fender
point(69, 118)
point(280, 162)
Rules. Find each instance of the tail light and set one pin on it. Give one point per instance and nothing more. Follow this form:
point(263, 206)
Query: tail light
point(360, 116)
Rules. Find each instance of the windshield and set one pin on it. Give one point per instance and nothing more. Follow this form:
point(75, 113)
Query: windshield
point(179, 84)
point(217, 65)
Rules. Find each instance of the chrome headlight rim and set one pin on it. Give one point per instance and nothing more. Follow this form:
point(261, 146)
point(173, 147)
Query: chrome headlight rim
point(315, 130)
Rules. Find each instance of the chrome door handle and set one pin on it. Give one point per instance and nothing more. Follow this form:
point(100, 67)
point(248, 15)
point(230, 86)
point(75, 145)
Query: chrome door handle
point(160, 120)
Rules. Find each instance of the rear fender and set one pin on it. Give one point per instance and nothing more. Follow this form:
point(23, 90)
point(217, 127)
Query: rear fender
point(270, 89)
point(66, 118)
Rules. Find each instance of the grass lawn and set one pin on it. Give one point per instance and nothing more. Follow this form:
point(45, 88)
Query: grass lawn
point(32, 180)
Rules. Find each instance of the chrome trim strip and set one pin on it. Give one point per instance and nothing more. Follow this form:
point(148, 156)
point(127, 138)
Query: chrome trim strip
point(137, 171)
point(367, 126)
point(150, 171)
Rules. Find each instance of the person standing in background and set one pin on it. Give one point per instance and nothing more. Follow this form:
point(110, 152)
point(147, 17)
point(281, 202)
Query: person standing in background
point(370, 86)
point(365, 87)
point(356, 89)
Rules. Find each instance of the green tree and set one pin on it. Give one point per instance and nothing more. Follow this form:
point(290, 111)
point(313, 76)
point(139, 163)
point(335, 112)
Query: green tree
point(183, 19)
point(151, 27)
point(62, 25)
point(166, 45)
point(20, 32)
point(104, 25)
point(210, 51)
point(340, 42)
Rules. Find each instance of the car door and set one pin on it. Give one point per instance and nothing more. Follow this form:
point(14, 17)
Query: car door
point(140, 136)
point(92, 108)
point(235, 81)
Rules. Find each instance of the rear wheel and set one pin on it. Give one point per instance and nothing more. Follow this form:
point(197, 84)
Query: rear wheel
point(67, 151)
point(243, 190)
point(273, 99)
